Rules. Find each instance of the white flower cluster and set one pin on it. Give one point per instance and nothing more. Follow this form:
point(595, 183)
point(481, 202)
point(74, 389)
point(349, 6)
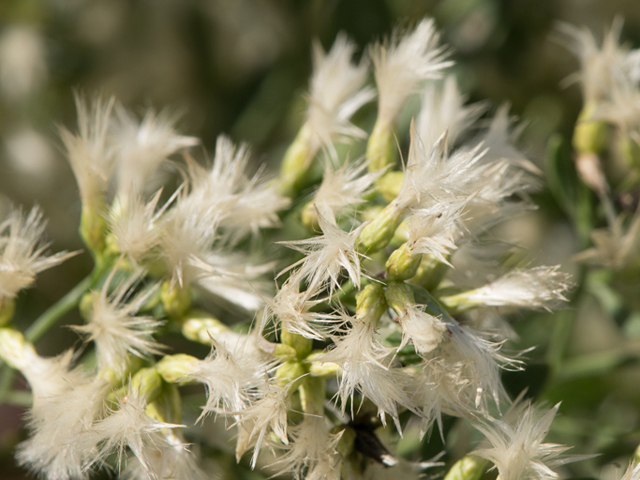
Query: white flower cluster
point(368, 320)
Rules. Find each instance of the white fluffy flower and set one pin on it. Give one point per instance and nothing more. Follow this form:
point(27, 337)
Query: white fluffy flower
point(114, 327)
point(89, 152)
point(142, 146)
point(242, 203)
point(603, 67)
point(327, 255)
point(312, 453)
point(517, 450)
point(22, 251)
point(402, 63)
point(268, 414)
point(434, 231)
point(539, 287)
point(172, 461)
point(335, 94)
point(229, 380)
point(290, 309)
point(343, 187)
point(424, 330)
point(128, 426)
point(59, 446)
point(365, 366)
point(443, 110)
point(617, 247)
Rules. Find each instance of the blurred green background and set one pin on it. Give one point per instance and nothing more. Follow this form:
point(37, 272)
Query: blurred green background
point(241, 67)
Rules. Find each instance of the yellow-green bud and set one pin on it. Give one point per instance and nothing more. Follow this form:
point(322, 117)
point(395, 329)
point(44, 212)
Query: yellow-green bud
point(175, 299)
point(389, 185)
point(467, 468)
point(370, 303)
point(302, 345)
point(177, 368)
point(290, 372)
point(590, 136)
point(93, 228)
point(309, 217)
point(14, 349)
point(148, 382)
point(399, 295)
point(402, 264)
point(284, 352)
point(200, 326)
point(381, 147)
point(321, 369)
point(377, 234)
point(295, 163)
point(7, 309)
point(460, 303)
point(430, 273)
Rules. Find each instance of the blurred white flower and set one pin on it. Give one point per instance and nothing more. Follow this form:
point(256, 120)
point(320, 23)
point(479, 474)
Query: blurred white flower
point(403, 62)
point(23, 66)
point(335, 94)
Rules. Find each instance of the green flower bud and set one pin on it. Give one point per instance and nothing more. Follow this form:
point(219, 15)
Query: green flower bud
point(402, 265)
point(389, 185)
point(467, 468)
point(14, 349)
point(295, 163)
point(381, 148)
point(430, 273)
point(175, 299)
point(177, 368)
point(370, 303)
point(200, 326)
point(398, 295)
point(93, 228)
point(290, 372)
point(590, 136)
point(377, 234)
point(321, 369)
point(309, 217)
point(302, 345)
point(148, 382)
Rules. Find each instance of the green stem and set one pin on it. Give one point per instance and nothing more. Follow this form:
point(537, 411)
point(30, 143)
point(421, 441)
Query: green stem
point(49, 318)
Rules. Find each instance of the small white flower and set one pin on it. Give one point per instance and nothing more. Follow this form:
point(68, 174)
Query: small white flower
point(617, 247)
point(22, 251)
point(142, 146)
point(312, 453)
point(130, 427)
point(114, 327)
point(443, 110)
point(230, 380)
point(268, 414)
point(365, 366)
point(539, 287)
point(335, 94)
point(434, 231)
point(603, 67)
point(134, 227)
point(89, 152)
point(173, 461)
point(327, 255)
point(424, 330)
point(290, 309)
point(517, 450)
point(403, 63)
point(343, 187)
